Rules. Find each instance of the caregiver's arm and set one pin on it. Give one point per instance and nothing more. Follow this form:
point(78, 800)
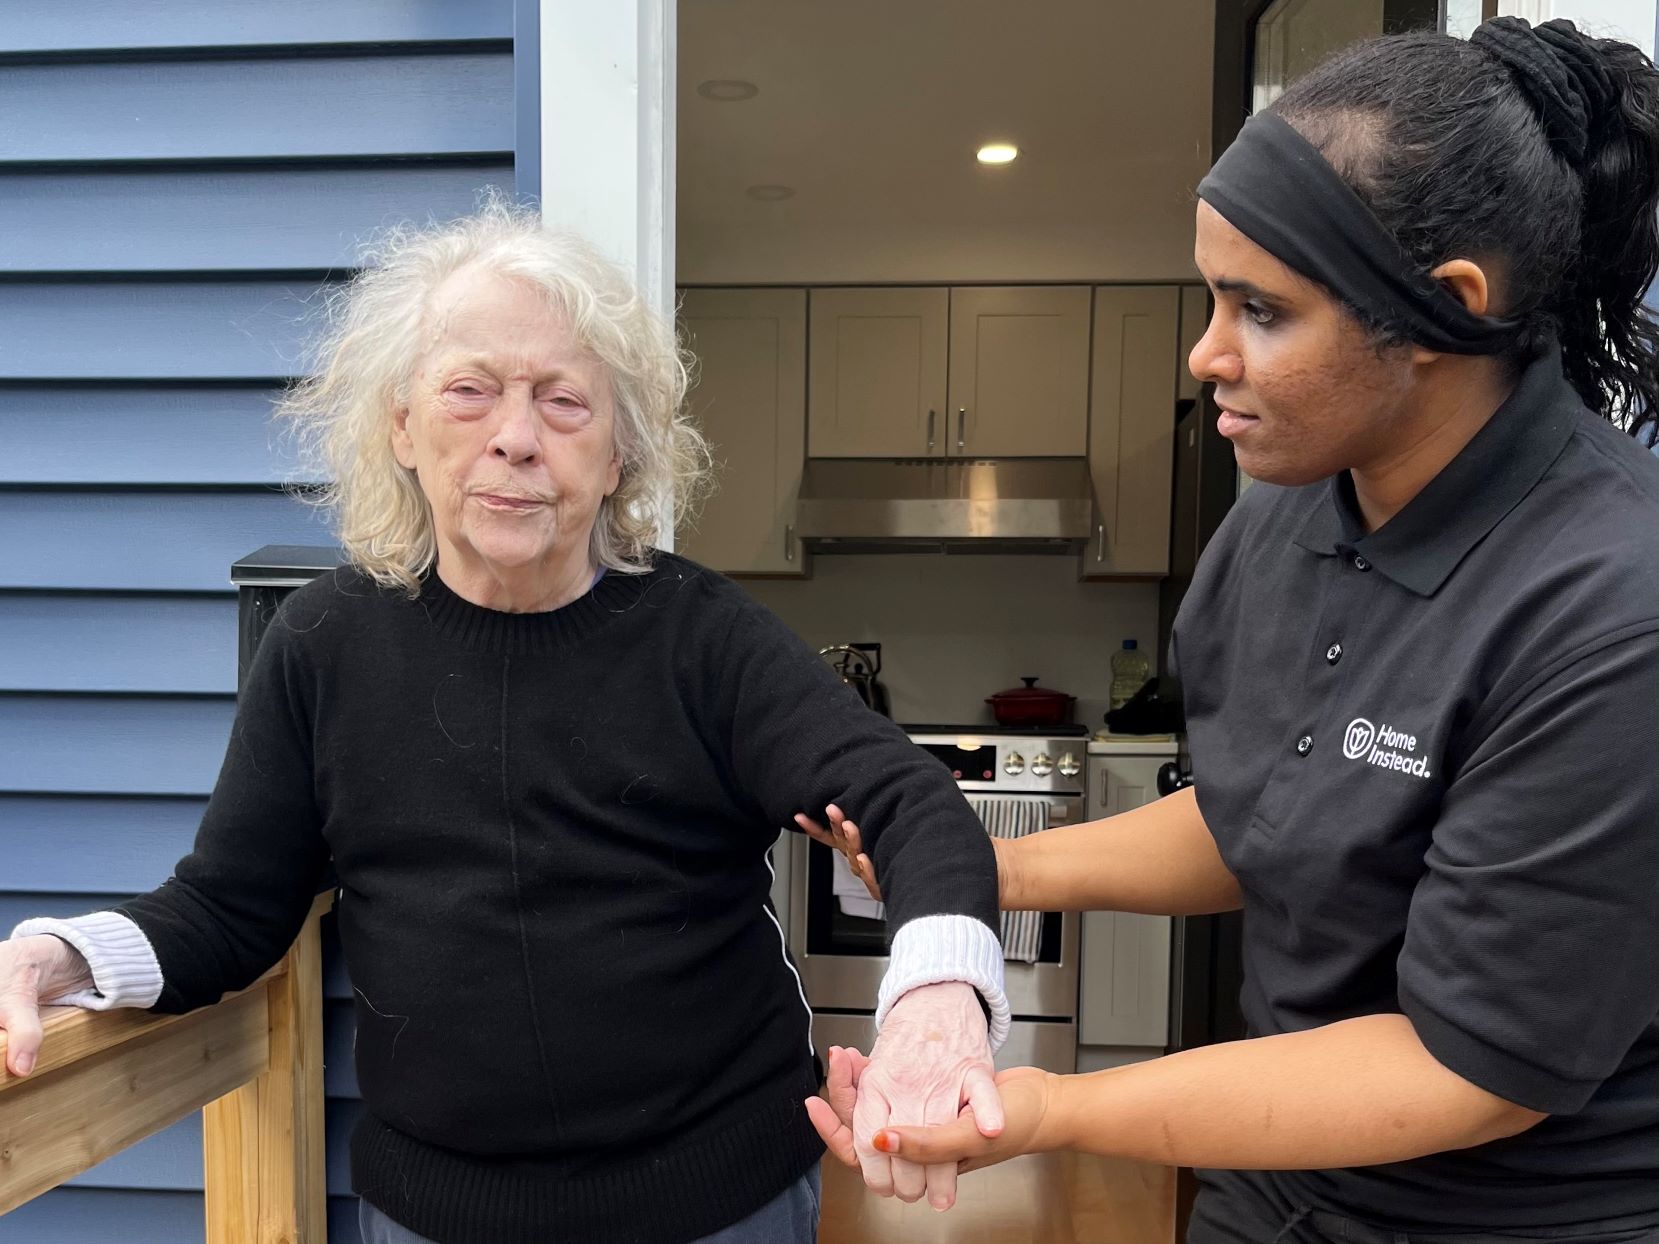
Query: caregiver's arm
point(1159, 859)
point(1354, 1093)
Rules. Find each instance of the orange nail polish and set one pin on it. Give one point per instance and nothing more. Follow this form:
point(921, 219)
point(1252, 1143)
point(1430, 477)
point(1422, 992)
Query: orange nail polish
point(886, 1142)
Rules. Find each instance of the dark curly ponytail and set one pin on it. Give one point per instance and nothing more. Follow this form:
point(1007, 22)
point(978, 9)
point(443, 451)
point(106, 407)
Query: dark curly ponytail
point(1539, 147)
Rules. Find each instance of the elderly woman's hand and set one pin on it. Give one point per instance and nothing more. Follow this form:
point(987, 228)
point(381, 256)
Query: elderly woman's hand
point(33, 968)
point(843, 836)
point(931, 1059)
point(1025, 1094)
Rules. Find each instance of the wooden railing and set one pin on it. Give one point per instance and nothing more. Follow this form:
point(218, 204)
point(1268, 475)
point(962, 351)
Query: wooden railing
point(252, 1063)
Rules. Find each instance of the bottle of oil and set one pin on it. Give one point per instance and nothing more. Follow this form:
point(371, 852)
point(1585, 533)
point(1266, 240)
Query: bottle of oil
point(1130, 671)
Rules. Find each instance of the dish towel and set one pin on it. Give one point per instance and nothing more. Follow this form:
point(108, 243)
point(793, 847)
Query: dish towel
point(1015, 816)
point(850, 893)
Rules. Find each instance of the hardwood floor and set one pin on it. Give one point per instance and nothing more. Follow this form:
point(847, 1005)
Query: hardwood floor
point(1044, 1199)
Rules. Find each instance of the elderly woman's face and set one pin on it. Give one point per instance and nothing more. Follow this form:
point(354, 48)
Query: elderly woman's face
point(509, 429)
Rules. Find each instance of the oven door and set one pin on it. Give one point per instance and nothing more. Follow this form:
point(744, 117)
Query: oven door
point(842, 956)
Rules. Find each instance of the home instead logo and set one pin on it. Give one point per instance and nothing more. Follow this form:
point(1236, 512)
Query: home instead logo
point(1385, 747)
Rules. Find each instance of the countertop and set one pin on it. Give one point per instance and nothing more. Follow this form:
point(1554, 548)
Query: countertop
point(1133, 745)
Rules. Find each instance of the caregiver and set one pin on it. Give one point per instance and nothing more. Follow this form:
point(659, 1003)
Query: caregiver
point(1421, 662)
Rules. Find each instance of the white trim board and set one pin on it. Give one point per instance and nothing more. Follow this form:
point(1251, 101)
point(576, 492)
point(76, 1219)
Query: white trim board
point(607, 74)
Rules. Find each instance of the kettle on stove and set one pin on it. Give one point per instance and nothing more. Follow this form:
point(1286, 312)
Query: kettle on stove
point(858, 665)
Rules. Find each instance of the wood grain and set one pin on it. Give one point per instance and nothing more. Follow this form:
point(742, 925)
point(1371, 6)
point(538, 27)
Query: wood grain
point(263, 1145)
point(1057, 1198)
point(83, 1108)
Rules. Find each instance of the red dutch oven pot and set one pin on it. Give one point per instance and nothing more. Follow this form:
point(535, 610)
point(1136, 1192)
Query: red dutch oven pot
point(1031, 705)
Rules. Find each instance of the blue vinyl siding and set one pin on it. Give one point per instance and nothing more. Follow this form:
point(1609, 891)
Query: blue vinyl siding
point(79, 1215)
point(242, 219)
point(60, 434)
point(179, 180)
point(100, 744)
point(258, 108)
point(155, 329)
point(131, 26)
point(58, 641)
point(120, 844)
point(145, 540)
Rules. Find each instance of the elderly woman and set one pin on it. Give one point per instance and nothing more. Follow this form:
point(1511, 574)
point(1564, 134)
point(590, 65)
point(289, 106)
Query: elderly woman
point(547, 762)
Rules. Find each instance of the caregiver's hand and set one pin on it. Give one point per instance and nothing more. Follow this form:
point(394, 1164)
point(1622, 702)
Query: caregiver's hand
point(843, 836)
point(1026, 1094)
point(931, 1059)
point(32, 968)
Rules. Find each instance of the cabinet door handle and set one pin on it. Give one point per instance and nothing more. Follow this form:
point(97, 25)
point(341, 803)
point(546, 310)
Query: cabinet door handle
point(931, 416)
point(1100, 547)
point(961, 428)
point(788, 542)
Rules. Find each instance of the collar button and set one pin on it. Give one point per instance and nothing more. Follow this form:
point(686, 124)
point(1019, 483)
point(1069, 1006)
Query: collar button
point(1361, 564)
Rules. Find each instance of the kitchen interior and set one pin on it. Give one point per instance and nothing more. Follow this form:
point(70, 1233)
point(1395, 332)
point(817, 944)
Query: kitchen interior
point(935, 264)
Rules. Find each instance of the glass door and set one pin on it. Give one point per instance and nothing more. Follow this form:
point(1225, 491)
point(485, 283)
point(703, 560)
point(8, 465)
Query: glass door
point(1292, 36)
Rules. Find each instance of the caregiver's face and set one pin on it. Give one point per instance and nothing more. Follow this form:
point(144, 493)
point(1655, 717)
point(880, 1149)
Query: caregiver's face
point(1302, 390)
point(509, 428)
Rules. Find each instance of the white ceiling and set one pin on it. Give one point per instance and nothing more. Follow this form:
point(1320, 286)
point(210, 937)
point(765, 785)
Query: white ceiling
point(871, 110)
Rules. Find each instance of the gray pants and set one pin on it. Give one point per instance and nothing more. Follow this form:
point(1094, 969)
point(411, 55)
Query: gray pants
point(789, 1218)
point(1248, 1207)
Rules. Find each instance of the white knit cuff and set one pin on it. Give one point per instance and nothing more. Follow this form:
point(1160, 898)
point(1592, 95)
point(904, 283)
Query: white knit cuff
point(125, 971)
point(931, 950)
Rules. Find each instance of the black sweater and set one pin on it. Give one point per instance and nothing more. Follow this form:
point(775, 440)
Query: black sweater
point(575, 1017)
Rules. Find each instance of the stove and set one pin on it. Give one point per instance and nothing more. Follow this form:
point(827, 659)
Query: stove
point(1014, 760)
point(1017, 781)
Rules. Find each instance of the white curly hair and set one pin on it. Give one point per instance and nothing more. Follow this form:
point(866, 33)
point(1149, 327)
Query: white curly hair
point(367, 355)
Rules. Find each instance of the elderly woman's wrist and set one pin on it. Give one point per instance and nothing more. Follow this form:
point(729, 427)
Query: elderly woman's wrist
point(58, 968)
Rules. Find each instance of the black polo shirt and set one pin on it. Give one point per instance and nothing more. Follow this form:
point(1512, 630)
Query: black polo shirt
point(1430, 754)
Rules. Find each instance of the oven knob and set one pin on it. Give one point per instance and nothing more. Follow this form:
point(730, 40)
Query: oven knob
point(1042, 764)
point(1013, 764)
point(1070, 765)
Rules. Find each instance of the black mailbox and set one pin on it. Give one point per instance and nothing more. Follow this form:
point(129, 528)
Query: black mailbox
point(263, 579)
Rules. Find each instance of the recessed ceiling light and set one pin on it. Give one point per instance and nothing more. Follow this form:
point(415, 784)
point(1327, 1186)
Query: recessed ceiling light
point(727, 90)
point(998, 153)
point(770, 193)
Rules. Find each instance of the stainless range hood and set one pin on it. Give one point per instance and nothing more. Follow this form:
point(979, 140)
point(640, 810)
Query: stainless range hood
point(993, 505)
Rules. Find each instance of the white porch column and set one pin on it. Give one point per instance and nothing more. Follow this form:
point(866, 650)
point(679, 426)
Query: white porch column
point(607, 134)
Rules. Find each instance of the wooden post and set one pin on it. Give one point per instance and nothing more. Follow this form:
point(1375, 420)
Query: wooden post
point(263, 1144)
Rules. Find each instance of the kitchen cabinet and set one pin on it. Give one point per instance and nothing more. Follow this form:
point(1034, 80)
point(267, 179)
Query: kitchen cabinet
point(877, 383)
point(1132, 429)
point(975, 372)
point(1019, 371)
point(1124, 960)
point(749, 399)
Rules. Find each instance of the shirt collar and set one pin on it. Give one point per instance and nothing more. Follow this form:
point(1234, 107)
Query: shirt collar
point(1421, 545)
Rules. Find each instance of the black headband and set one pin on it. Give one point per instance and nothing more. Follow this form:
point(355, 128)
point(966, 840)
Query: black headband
point(1273, 186)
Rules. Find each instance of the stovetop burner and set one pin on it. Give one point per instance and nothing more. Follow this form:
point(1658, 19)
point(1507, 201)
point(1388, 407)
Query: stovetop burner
point(984, 728)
